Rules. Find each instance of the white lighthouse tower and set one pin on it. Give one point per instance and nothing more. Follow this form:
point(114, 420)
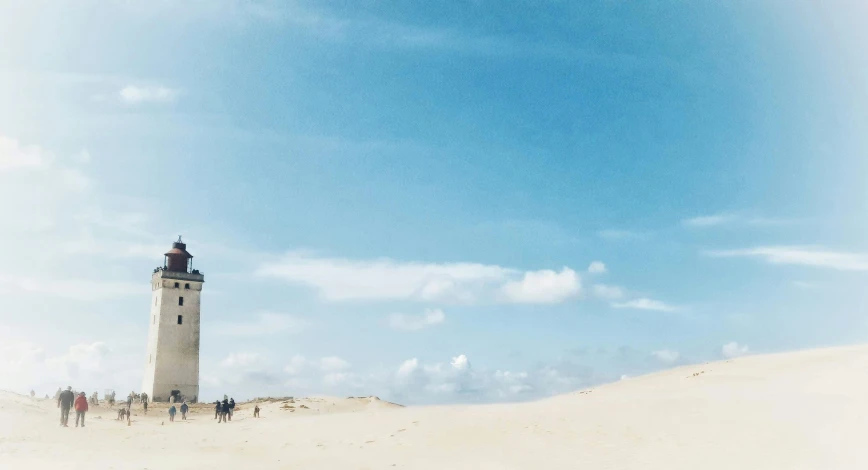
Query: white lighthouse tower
point(172, 364)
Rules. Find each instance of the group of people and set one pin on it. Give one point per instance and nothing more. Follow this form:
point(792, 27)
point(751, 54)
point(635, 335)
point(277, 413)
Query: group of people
point(224, 410)
point(173, 411)
point(67, 400)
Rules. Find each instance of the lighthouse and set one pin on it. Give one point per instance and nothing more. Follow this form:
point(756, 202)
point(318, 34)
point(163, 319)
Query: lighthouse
point(172, 363)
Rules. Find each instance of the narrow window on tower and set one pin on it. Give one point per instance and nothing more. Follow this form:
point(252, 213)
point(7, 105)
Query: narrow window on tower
point(180, 319)
point(177, 285)
point(187, 285)
point(180, 301)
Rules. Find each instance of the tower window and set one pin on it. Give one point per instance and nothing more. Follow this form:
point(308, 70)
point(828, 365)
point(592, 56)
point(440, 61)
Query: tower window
point(187, 285)
point(180, 301)
point(180, 319)
point(177, 285)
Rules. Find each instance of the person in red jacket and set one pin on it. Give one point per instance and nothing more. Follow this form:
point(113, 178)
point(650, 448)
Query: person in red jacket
point(80, 408)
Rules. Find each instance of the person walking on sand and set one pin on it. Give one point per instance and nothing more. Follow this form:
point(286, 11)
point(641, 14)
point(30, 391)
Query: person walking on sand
point(145, 406)
point(172, 412)
point(256, 411)
point(80, 408)
point(231, 408)
point(64, 402)
point(217, 408)
point(184, 409)
point(224, 411)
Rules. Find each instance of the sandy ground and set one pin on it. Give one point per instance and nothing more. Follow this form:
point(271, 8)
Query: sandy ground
point(804, 410)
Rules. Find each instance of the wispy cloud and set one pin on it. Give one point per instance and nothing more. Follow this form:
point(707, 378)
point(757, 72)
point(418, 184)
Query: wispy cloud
point(645, 304)
point(241, 359)
point(709, 220)
point(328, 25)
point(597, 267)
point(264, 323)
point(805, 284)
point(299, 365)
point(147, 94)
point(733, 349)
point(74, 289)
point(666, 355)
point(545, 287)
point(615, 234)
point(430, 317)
point(607, 292)
point(14, 155)
point(733, 218)
point(799, 255)
point(339, 279)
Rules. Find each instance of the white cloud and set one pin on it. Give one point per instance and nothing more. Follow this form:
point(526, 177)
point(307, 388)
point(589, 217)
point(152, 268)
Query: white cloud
point(733, 349)
point(379, 280)
point(333, 363)
point(75, 289)
point(430, 317)
point(645, 304)
point(25, 365)
point(800, 255)
point(607, 292)
point(301, 366)
point(14, 156)
point(83, 357)
point(51, 172)
point(296, 365)
point(512, 383)
point(596, 267)
point(337, 378)
point(458, 380)
point(460, 362)
point(265, 323)
point(408, 367)
point(155, 94)
point(710, 220)
point(666, 355)
point(83, 156)
point(241, 359)
point(341, 279)
point(438, 379)
point(732, 218)
point(544, 286)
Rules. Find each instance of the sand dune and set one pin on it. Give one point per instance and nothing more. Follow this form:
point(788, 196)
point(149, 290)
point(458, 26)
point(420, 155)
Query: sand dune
point(804, 410)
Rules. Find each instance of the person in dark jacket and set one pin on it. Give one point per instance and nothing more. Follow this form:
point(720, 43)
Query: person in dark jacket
point(217, 408)
point(172, 412)
point(256, 411)
point(64, 402)
point(231, 408)
point(184, 409)
point(224, 411)
point(80, 408)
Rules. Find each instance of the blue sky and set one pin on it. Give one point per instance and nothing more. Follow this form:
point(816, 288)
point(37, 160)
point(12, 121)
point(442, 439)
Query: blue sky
point(465, 201)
